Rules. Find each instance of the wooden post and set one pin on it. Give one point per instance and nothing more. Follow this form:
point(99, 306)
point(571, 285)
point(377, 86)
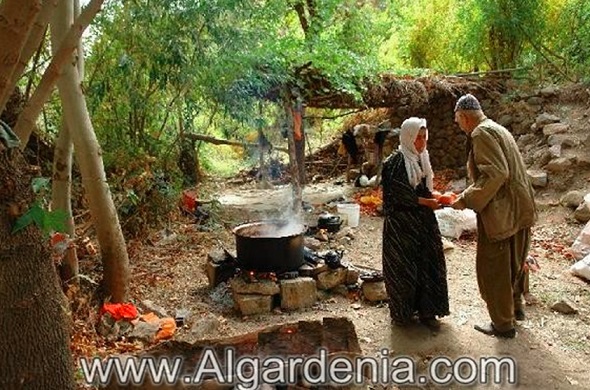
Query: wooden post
point(300, 143)
point(295, 183)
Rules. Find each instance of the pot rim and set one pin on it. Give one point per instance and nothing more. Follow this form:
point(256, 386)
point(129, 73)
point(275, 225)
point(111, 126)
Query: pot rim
point(330, 218)
point(298, 228)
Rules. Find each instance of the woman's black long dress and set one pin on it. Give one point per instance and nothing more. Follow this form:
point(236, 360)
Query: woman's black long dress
point(414, 264)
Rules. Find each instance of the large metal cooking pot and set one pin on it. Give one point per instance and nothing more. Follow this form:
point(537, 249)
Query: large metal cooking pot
point(270, 246)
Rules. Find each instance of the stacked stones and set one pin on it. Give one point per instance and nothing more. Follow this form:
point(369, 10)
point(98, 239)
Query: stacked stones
point(446, 142)
point(260, 296)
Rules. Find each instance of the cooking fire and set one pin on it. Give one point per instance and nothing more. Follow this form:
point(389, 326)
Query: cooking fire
point(274, 269)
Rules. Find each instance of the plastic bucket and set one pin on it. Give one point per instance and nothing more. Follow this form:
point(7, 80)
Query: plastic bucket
point(351, 212)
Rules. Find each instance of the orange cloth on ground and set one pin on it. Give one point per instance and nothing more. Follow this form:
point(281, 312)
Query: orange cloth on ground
point(150, 318)
point(120, 311)
point(167, 328)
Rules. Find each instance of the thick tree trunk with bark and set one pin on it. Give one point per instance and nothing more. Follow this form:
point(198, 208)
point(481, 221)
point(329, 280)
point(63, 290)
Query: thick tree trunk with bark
point(34, 352)
point(16, 20)
point(31, 46)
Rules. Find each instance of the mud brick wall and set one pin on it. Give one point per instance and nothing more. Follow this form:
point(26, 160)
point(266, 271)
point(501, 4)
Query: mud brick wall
point(446, 143)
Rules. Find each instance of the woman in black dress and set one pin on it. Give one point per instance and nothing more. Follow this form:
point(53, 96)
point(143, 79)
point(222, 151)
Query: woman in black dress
point(413, 258)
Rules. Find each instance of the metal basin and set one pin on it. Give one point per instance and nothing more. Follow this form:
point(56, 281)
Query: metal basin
point(270, 246)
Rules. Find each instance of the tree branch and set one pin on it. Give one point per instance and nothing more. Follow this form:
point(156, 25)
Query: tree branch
point(15, 27)
point(26, 120)
point(218, 141)
point(300, 9)
point(335, 116)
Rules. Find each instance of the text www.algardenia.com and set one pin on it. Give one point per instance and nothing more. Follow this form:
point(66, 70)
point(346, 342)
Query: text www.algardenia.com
point(249, 372)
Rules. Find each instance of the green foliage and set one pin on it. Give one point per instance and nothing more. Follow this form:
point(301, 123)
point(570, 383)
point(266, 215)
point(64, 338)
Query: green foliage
point(457, 36)
point(40, 184)
point(157, 71)
point(565, 41)
point(47, 221)
point(500, 29)
point(145, 195)
point(161, 69)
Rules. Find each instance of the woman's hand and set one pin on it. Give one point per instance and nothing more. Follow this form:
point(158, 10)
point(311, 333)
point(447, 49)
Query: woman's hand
point(429, 202)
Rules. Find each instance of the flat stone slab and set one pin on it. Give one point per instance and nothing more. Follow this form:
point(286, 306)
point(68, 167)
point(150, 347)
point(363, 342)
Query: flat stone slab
point(277, 201)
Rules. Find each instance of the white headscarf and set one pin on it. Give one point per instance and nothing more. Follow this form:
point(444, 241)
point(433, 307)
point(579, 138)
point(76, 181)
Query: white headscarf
point(409, 131)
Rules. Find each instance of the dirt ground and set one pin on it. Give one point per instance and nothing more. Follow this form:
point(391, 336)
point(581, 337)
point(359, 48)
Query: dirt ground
point(551, 349)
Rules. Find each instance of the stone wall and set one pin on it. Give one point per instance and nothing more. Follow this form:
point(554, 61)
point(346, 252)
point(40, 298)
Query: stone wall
point(446, 143)
point(521, 110)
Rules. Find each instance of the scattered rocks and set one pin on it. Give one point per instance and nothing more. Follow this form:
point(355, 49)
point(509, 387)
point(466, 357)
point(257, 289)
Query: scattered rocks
point(535, 101)
point(205, 327)
point(374, 291)
point(545, 119)
point(555, 128)
point(555, 151)
point(145, 331)
point(182, 316)
point(312, 243)
point(582, 213)
point(542, 157)
point(150, 306)
point(549, 91)
point(538, 178)
point(563, 140)
point(564, 307)
point(560, 164)
point(583, 161)
point(525, 140)
point(572, 199)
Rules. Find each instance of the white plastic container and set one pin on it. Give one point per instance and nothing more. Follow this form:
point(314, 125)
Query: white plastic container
point(351, 212)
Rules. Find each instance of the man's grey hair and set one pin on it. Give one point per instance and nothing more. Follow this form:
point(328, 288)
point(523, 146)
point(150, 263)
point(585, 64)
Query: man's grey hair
point(467, 103)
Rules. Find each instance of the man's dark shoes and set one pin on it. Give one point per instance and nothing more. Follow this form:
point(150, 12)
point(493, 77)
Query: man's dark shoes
point(491, 331)
point(519, 315)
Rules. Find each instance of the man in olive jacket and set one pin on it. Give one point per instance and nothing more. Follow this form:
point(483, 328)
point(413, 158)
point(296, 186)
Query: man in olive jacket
point(502, 197)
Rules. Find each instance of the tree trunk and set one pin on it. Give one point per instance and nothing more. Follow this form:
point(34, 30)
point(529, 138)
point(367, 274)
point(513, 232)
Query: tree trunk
point(26, 120)
point(34, 352)
point(16, 20)
point(63, 152)
point(300, 147)
point(31, 45)
point(89, 156)
point(295, 184)
point(61, 197)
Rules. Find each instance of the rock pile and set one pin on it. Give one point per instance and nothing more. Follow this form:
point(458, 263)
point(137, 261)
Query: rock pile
point(258, 293)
